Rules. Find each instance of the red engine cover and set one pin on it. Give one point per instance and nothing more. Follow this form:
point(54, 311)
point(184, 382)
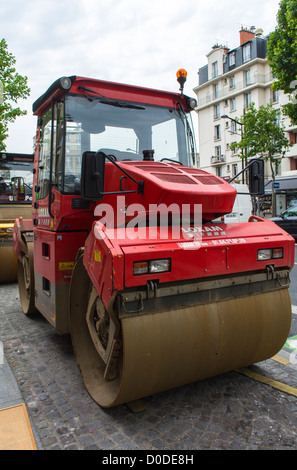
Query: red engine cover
point(171, 184)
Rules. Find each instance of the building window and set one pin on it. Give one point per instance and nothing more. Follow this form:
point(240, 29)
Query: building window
point(247, 77)
point(293, 137)
point(274, 96)
point(218, 151)
point(219, 171)
point(217, 130)
point(216, 91)
point(214, 70)
point(234, 170)
point(248, 100)
point(217, 111)
point(233, 104)
point(293, 164)
point(278, 118)
point(233, 127)
point(246, 53)
point(232, 82)
point(231, 59)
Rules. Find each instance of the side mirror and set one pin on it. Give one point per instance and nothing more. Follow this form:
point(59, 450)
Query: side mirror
point(256, 177)
point(92, 175)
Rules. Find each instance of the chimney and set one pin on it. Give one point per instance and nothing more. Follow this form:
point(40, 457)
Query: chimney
point(245, 35)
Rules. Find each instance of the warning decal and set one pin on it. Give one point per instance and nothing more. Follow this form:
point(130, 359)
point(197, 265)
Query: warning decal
point(66, 266)
point(97, 256)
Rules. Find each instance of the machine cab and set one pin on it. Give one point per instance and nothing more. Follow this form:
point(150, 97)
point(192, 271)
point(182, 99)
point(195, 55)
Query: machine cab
point(78, 115)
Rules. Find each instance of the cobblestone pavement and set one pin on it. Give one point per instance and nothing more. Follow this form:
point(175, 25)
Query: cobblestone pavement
point(229, 412)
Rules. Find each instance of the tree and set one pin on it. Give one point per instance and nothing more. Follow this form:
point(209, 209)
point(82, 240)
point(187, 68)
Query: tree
point(263, 137)
point(13, 87)
point(282, 54)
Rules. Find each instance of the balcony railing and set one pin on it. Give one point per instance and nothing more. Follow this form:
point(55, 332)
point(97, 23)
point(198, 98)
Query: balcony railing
point(218, 160)
point(258, 79)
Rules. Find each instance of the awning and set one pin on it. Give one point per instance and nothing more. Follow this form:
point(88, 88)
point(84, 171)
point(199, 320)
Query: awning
point(282, 184)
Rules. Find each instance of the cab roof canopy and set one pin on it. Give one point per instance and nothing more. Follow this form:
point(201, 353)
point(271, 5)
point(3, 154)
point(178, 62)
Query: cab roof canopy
point(104, 89)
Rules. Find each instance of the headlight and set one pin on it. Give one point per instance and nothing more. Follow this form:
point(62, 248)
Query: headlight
point(264, 254)
point(65, 83)
point(159, 266)
point(152, 266)
point(270, 253)
point(192, 103)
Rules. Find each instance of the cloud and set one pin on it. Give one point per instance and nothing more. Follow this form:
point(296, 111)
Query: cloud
point(130, 41)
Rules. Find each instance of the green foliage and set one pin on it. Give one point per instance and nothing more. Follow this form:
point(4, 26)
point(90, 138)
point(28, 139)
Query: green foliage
point(282, 53)
point(14, 87)
point(262, 135)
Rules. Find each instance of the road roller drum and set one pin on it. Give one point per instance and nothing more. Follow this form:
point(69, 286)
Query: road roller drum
point(160, 350)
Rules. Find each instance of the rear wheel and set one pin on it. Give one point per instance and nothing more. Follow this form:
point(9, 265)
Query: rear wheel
point(26, 281)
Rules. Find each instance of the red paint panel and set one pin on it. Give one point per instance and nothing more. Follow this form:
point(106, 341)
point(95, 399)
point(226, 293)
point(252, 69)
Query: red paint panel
point(230, 250)
point(104, 262)
point(54, 253)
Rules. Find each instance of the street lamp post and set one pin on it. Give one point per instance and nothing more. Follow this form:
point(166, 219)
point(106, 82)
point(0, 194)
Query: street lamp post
point(241, 129)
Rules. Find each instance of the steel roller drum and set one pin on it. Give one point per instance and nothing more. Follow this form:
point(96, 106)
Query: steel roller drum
point(167, 349)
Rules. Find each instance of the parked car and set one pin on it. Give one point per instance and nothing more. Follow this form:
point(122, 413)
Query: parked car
point(288, 221)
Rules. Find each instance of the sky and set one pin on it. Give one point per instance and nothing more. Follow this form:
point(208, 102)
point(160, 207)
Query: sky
point(137, 42)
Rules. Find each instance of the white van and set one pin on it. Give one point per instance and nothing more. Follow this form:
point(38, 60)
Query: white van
point(243, 208)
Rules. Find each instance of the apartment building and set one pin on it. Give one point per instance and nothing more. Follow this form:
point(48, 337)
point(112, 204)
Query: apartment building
point(229, 82)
